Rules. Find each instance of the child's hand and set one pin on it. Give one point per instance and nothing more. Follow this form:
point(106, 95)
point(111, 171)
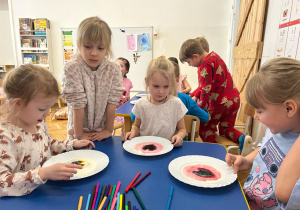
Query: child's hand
point(84, 143)
point(128, 136)
point(59, 171)
point(194, 98)
point(177, 141)
point(99, 135)
point(239, 162)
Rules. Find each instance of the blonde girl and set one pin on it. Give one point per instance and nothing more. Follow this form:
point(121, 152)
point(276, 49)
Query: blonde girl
point(25, 141)
point(160, 113)
point(274, 92)
point(92, 84)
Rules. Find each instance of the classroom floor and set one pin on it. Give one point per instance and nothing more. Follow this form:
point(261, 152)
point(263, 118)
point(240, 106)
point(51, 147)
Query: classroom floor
point(58, 130)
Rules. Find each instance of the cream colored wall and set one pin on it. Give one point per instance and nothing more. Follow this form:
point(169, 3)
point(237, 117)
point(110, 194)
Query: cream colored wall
point(176, 21)
point(6, 51)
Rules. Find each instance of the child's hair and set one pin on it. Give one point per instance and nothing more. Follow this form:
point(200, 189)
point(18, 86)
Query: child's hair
point(188, 48)
point(93, 29)
point(166, 68)
point(126, 63)
point(203, 42)
point(25, 82)
point(277, 81)
point(176, 66)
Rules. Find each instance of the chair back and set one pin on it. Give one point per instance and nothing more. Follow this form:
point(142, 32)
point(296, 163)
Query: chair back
point(192, 124)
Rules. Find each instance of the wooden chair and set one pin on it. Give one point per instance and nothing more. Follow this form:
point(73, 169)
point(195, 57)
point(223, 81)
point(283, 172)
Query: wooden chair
point(249, 112)
point(117, 125)
point(192, 124)
point(229, 144)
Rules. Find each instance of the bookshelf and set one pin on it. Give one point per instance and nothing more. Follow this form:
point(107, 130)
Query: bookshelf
point(35, 42)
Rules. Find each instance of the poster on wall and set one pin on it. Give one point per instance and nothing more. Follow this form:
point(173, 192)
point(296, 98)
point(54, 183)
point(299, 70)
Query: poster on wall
point(69, 43)
point(287, 44)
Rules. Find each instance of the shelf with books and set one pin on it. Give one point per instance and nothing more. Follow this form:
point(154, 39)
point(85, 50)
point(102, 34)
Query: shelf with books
point(35, 42)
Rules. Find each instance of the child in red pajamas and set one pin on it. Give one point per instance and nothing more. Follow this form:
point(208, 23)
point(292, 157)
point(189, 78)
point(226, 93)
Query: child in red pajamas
point(216, 92)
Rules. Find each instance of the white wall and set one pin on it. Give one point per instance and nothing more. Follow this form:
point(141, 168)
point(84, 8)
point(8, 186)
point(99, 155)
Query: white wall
point(176, 21)
point(6, 48)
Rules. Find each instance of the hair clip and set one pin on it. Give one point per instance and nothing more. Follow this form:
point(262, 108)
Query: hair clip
point(124, 61)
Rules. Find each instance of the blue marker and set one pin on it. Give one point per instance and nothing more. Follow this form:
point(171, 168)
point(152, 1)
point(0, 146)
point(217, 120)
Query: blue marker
point(118, 200)
point(170, 198)
point(98, 196)
point(88, 202)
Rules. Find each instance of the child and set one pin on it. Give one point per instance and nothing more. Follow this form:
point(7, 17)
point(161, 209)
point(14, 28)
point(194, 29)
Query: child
point(92, 85)
point(125, 65)
point(274, 92)
point(25, 141)
point(216, 92)
point(182, 84)
point(160, 113)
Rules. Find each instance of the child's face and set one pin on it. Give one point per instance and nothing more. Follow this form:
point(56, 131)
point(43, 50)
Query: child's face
point(93, 53)
point(275, 118)
point(195, 61)
point(123, 68)
point(159, 88)
point(36, 110)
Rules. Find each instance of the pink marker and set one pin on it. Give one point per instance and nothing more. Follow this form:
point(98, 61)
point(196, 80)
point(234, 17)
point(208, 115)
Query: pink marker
point(113, 203)
point(95, 197)
point(117, 188)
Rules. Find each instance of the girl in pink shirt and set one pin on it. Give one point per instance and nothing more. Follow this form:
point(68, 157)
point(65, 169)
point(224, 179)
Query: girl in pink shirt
point(125, 65)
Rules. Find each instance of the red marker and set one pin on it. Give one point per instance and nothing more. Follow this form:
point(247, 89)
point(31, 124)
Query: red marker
point(132, 181)
point(141, 179)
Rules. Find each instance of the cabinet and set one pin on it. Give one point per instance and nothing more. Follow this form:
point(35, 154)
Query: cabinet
point(35, 42)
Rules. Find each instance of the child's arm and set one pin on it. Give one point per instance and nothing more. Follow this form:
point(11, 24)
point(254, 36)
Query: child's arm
point(288, 174)
point(239, 162)
point(177, 139)
point(135, 130)
point(109, 124)
point(78, 116)
point(186, 85)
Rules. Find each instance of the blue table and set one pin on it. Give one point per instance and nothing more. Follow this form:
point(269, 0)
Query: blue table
point(154, 190)
point(125, 111)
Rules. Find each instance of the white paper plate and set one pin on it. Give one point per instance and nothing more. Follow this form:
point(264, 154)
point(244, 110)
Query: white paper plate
point(98, 160)
point(166, 144)
point(141, 95)
point(227, 175)
point(133, 102)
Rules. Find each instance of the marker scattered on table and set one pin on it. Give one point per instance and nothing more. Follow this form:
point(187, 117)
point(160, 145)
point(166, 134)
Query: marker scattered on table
point(139, 198)
point(141, 179)
point(88, 202)
point(111, 197)
point(95, 196)
point(102, 193)
point(131, 183)
point(102, 203)
point(129, 205)
point(98, 197)
point(170, 197)
point(80, 203)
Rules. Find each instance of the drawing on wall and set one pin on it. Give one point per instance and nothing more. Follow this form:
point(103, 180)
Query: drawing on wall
point(135, 57)
point(143, 42)
point(132, 42)
point(123, 31)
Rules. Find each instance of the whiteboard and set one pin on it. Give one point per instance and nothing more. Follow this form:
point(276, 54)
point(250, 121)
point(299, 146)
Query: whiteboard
point(138, 68)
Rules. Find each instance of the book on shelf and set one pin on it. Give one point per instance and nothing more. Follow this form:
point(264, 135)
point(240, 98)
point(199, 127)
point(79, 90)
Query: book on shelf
point(40, 26)
point(25, 26)
point(43, 60)
point(42, 43)
point(26, 42)
point(30, 59)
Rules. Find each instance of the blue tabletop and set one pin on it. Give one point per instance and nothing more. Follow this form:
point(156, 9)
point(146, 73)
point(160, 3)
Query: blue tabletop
point(126, 108)
point(154, 190)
